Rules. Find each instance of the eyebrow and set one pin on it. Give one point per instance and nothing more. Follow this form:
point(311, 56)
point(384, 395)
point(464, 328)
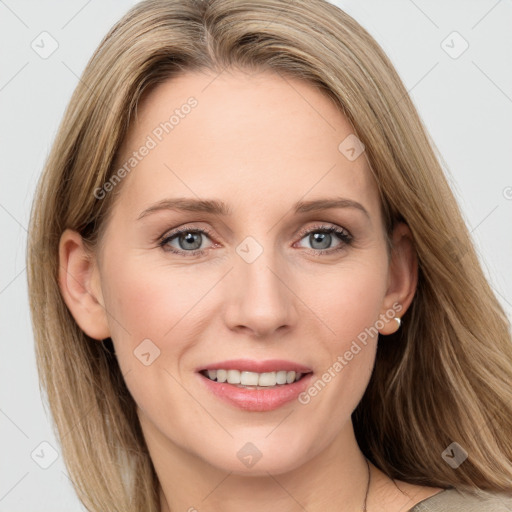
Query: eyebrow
point(216, 207)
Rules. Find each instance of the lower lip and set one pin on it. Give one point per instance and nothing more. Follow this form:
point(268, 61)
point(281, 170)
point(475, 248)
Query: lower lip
point(257, 399)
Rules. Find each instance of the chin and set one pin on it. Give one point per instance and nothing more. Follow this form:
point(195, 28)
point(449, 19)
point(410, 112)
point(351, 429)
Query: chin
point(260, 456)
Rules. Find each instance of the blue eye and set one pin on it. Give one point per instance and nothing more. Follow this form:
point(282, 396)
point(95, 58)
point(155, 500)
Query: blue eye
point(189, 240)
point(321, 237)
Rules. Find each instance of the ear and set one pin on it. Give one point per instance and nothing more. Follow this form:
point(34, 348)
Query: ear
point(79, 283)
point(402, 278)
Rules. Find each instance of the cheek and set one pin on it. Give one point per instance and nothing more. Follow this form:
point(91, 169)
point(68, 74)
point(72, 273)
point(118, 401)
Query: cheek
point(152, 313)
point(349, 306)
point(150, 300)
point(347, 300)
point(153, 301)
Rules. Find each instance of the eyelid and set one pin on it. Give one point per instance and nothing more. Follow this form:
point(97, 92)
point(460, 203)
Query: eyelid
point(323, 226)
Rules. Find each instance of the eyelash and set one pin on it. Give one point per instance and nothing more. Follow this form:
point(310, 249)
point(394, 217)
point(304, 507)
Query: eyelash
point(344, 236)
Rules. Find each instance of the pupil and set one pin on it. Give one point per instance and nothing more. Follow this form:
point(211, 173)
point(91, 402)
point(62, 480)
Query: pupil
point(190, 239)
point(321, 237)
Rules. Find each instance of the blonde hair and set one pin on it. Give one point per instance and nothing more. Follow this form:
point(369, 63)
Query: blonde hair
point(443, 377)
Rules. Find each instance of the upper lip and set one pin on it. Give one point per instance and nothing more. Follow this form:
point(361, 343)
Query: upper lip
point(249, 365)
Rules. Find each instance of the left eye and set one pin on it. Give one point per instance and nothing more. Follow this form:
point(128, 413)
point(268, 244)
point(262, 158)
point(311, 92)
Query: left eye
point(188, 240)
point(320, 238)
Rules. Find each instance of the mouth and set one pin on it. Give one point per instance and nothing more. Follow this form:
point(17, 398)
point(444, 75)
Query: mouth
point(254, 380)
point(256, 386)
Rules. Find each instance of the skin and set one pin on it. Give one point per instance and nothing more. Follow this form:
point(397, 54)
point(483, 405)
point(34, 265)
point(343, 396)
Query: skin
point(258, 142)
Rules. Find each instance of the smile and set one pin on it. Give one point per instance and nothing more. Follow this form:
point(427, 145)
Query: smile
point(245, 378)
point(255, 385)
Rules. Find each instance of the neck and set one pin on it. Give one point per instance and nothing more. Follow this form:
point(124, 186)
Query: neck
point(335, 479)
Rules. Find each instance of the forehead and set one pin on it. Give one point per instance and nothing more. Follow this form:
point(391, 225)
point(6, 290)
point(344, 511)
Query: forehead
point(255, 138)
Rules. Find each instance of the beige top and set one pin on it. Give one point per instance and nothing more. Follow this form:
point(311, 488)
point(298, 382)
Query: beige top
point(453, 500)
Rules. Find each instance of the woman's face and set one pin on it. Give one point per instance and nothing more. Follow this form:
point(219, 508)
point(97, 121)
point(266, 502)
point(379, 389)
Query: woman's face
point(259, 279)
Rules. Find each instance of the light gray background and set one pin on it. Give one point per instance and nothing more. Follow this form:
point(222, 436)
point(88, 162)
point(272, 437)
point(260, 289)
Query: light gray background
point(465, 102)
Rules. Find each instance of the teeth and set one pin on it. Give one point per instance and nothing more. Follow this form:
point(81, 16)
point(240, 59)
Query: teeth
point(233, 377)
point(281, 377)
point(267, 379)
point(248, 378)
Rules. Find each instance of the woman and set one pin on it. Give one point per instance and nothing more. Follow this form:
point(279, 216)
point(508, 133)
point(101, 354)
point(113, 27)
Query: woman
point(250, 282)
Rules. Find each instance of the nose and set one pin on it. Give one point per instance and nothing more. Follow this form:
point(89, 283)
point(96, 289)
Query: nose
point(261, 301)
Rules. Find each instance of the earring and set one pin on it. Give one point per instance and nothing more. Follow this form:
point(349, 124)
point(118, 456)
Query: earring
point(387, 327)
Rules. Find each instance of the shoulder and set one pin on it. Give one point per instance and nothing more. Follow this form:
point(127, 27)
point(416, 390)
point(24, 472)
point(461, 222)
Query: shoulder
point(455, 500)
